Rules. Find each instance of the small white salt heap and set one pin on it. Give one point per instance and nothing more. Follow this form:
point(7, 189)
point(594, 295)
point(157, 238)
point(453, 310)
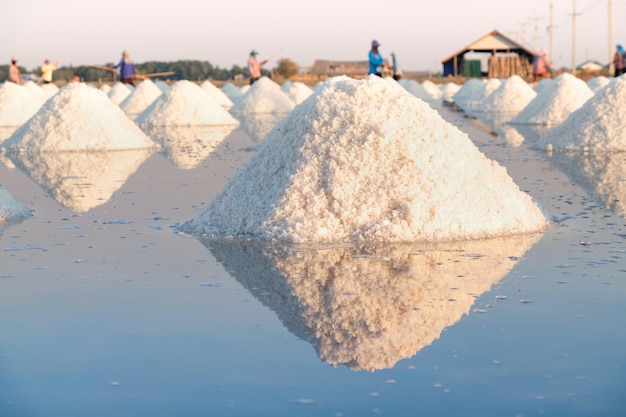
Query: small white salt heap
point(119, 92)
point(435, 91)
point(216, 94)
point(17, 104)
point(596, 83)
point(416, 89)
point(185, 104)
point(296, 91)
point(598, 125)
point(481, 93)
point(363, 160)
point(556, 102)
point(510, 97)
point(140, 98)
point(78, 118)
point(264, 96)
point(11, 209)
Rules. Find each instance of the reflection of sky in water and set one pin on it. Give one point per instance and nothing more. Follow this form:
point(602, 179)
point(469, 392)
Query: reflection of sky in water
point(188, 146)
point(259, 124)
point(80, 180)
point(603, 175)
point(367, 308)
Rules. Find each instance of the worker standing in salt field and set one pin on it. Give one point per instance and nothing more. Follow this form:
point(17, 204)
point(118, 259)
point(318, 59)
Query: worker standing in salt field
point(619, 60)
point(395, 71)
point(14, 72)
point(46, 71)
point(541, 66)
point(376, 60)
point(254, 66)
point(127, 69)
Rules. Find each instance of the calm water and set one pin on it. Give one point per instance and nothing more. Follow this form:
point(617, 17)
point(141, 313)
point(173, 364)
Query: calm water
point(105, 310)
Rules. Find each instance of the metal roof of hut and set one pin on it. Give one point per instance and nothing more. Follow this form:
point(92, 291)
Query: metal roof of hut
point(498, 45)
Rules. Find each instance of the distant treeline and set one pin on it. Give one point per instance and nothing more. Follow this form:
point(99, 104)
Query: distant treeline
point(183, 70)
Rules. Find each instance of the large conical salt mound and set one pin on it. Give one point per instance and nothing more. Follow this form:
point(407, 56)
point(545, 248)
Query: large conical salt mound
point(365, 160)
point(140, 98)
point(17, 104)
point(11, 209)
point(185, 104)
point(264, 96)
point(511, 97)
point(598, 125)
point(78, 118)
point(119, 92)
point(554, 104)
point(216, 94)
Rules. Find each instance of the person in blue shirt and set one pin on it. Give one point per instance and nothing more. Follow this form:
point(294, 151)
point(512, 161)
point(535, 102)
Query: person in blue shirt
point(127, 69)
point(376, 60)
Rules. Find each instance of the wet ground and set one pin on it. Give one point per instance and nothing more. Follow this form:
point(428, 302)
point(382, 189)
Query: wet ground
point(105, 309)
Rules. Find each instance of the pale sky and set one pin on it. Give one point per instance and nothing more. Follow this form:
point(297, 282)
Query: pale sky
point(421, 34)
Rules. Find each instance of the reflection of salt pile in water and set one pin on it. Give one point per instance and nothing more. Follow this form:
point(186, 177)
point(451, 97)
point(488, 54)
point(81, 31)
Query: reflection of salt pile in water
point(367, 308)
point(510, 97)
point(185, 104)
point(601, 174)
point(78, 118)
point(119, 92)
point(11, 210)
point(596, 83)
point(216, 94)
point(296, 91)
point(598, 125)
point(365, 160)
point(188, 146)
point(552, 105)
point(140, 98)
point(264, 96)
point(17, 104)
point(81, 180)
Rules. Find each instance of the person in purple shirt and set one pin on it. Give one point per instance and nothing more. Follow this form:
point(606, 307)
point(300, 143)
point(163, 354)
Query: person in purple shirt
point(127, 69)
point(376, 60)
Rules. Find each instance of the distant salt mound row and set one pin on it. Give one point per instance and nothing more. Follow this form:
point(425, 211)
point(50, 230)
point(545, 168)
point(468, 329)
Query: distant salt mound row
point(554, 104)
point(216, 94)
point(264, 96)
point(185, 104)
point(17, 104)
point(598, 125)
point(231, 91)
point(416, 89)
point(432, 89)
point(296, 91)
point(78, 118)
point(597, 83)
point(448, 90)
point(119, 92)
point(10, 209)
point(140, 98)
point(345, 166)
point(482, 92)
point(511, 97)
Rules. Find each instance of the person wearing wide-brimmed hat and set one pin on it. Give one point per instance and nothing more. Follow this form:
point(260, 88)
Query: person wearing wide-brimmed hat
point(376, 60)
point(254, 66)
point(619, 59)
point(541, 66)
point(14, 72)
point(127, 69)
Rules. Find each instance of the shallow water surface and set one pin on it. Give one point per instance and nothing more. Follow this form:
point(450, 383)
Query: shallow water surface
point(105, 309)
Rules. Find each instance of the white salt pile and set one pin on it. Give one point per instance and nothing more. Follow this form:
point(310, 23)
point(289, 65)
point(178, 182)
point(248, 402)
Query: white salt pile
point(596, 83)
point(469, 88)
point(216, 94)
point(416, 89)
point(544, 83)
point(38, 93)
point(17, 104)
point(10, 209)
point(555, 103)
point(363, 160)
point(598, 125)
point(296, 91)
point(264, 96)
point(140, 98)
point(185, 104)
point(78, 118)
point(162, 85)
point(432, 89)
point(481, 92)
point(448, 90)
point(510, 97)
point(119, 92)
point(105, 88)
point(50, 89)
point(231, 91)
